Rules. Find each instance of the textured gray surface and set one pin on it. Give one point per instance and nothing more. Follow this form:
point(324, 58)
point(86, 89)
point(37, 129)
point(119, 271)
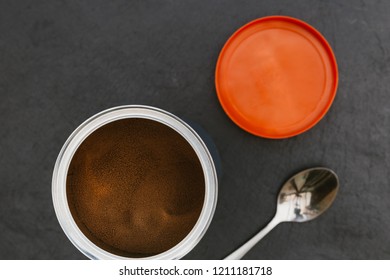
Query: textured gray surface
point(63, 61)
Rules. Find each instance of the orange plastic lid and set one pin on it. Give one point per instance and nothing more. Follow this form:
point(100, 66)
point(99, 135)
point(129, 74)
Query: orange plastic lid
point(276, 77)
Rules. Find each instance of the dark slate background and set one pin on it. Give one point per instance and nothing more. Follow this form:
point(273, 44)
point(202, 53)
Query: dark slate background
point(63, 61)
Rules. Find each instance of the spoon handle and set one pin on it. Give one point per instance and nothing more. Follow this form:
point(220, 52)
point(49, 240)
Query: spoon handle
point(240, 252)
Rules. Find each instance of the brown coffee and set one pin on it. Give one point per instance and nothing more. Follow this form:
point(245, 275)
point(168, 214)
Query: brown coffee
point(135, 187)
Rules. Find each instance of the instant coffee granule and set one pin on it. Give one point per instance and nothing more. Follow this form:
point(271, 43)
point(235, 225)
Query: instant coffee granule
point(135, 187)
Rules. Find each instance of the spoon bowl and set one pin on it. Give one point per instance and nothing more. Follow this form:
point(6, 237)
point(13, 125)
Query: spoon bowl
point(307, 195)
point(302, 198)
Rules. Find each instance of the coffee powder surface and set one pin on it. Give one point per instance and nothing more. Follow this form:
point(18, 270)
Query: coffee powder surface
point(135, 187)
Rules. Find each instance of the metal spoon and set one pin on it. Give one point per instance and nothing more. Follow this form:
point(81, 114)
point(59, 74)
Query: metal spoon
point(302, 198)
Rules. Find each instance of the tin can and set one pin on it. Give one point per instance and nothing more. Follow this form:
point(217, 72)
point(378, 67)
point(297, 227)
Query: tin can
point(59, 194)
